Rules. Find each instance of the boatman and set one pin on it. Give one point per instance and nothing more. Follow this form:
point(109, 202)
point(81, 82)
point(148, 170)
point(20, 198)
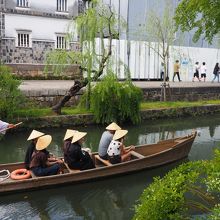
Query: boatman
point(4, 126)
point(106, 140)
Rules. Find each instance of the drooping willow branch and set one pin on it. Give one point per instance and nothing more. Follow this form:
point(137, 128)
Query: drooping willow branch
point(79, 84)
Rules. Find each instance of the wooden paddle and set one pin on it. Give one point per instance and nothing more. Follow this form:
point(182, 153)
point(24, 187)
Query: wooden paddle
point(3, 130)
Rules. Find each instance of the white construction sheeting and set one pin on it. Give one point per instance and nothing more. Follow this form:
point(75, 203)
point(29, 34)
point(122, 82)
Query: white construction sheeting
point(144, 62)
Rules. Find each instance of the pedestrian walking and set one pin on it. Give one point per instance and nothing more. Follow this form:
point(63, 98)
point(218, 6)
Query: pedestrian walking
point(216, 72)
point(162, 71)
point(196, 72)
point(203, 71)
point(176, 68)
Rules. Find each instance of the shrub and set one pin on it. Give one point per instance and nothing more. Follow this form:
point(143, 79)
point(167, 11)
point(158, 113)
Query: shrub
point(165, 198)
point(11, 97)
point(115, 101)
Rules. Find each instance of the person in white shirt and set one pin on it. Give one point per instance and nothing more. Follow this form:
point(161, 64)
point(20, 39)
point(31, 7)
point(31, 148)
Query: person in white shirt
point(196, 71)
point(4, 126)
point(117, 152)
point(203, 70)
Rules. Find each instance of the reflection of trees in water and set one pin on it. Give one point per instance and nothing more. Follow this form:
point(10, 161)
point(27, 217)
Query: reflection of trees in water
point(146, 132)
point(212, 130)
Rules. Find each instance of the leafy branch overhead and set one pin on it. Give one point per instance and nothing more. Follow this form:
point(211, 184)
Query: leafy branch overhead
point(201, 15)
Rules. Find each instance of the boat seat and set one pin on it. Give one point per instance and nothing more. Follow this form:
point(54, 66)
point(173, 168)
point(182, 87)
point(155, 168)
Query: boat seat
point(136, 154)
point(32, 174)
point(71, 170)
point(106, 162)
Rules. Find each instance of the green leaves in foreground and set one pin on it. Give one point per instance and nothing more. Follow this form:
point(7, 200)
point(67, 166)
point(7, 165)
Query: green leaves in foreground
point(165, 198)
point(191, 186)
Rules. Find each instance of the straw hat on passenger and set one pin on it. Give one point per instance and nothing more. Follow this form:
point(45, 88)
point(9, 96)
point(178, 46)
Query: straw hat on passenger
point(113, 127)
point(119, 134)
point(43, 142)
point(69, 134)
point(78, 135)
point(35, 134)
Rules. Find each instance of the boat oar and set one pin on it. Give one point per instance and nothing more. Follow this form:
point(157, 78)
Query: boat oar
point(3, 130)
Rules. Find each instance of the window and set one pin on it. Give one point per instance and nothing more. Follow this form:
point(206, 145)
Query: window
point(62, 5)
point(23, 3)
point(61, 42)
point(23, 40)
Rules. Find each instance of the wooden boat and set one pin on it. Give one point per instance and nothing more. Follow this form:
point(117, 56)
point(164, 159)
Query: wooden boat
point(144, 157)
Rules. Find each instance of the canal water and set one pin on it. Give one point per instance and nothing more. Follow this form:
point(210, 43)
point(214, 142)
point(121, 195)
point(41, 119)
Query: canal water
point(113, 198)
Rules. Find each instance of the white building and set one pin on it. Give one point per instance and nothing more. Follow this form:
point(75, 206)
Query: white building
point(30, 28)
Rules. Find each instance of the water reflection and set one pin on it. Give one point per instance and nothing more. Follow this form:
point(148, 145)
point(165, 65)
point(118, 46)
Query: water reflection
point(110, 199)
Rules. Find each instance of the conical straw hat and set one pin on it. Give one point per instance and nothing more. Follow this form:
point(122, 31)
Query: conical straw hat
point(78, 135)
point(43, 142)
point(69, 134)
point(113, 127)
point(35, 134)
point(119, 134)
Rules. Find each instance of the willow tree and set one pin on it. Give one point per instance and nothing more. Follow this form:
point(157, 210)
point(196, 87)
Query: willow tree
point(97, 21)
point(160, 28)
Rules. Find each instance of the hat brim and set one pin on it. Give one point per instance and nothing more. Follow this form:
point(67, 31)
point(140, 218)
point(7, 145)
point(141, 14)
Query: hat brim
point(43, 142)
point(77, 136)
point(113, 127)
point(69, 134)
point(119, 134)
point(35, 134)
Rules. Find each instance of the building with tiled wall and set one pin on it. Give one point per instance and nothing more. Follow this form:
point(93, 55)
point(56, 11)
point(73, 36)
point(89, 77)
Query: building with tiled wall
point(31, 28)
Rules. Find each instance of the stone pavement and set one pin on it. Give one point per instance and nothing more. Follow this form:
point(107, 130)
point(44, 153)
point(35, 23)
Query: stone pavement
point(61, 86)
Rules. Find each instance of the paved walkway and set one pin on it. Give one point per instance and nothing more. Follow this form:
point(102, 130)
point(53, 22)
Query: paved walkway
point(63, 85)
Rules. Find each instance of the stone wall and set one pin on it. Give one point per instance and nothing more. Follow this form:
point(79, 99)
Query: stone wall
point(87, 119)
point(183, 93)
point(34, 55)
point(29, 71)
point(49, 97)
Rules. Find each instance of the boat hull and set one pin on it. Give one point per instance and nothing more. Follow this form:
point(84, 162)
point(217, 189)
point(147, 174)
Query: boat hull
point(162, 153)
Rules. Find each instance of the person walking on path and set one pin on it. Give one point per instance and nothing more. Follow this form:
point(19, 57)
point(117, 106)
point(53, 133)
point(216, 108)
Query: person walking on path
point(176, 70)
point(216, 72)
point(162, 71)
point(203, 71)
point(196, 73)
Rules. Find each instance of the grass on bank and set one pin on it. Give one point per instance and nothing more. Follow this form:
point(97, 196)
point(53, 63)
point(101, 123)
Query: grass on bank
point(40, 112)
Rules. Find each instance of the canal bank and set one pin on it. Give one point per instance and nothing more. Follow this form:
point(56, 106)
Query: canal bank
point(88, 119)
point(46, 93)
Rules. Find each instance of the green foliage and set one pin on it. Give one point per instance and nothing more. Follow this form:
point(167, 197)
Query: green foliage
point(194, 184)
point(203, 15)
point(215, 215)
point(115, 101)
point(97, 21)
point(11, 98)
point(165, 198)
point(213, 175)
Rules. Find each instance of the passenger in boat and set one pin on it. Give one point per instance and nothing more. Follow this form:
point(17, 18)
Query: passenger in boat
point(33, 137)
point(41, 164)
point(67, 142)
point(117, 152)
point(106, 140)
point(74, 156)
point(4, 125)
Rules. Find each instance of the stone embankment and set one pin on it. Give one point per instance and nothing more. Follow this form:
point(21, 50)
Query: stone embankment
point(48, 92)
point(88, 119)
